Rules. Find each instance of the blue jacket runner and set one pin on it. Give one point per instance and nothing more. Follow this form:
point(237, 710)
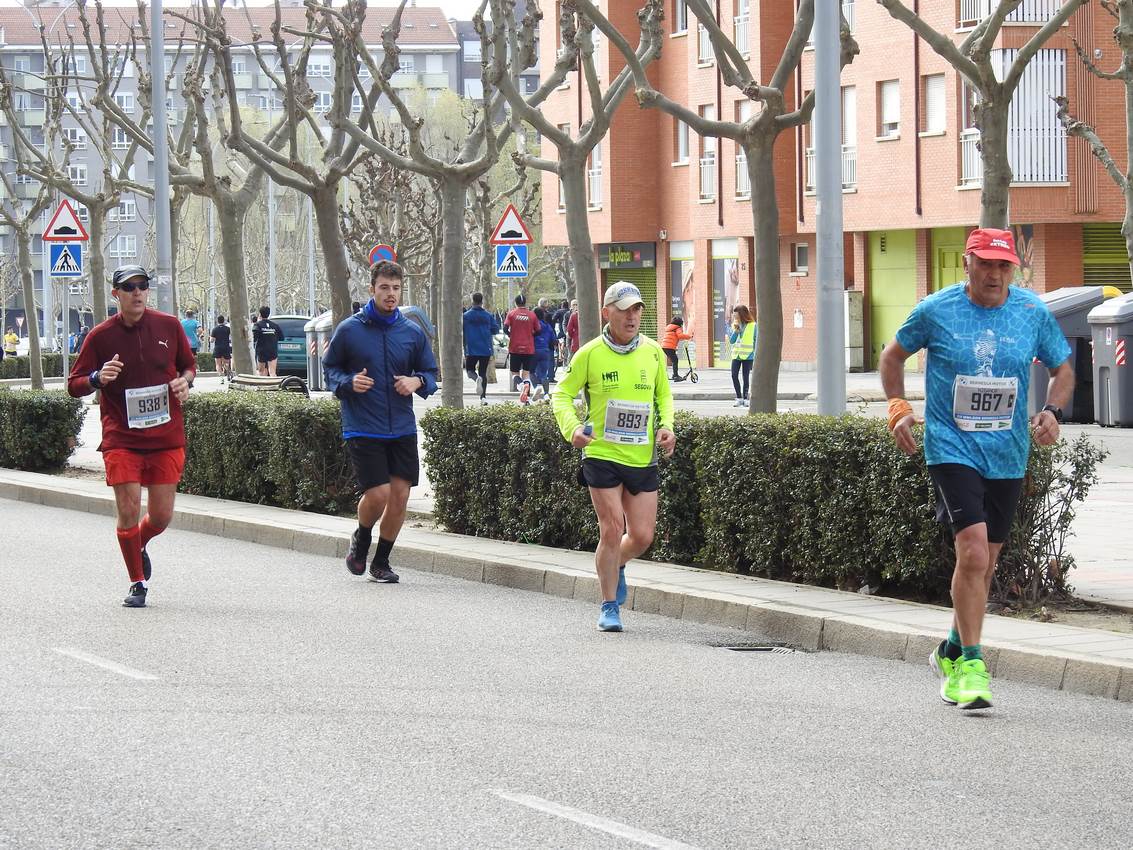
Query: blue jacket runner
point(384, 348)
point(479, 328)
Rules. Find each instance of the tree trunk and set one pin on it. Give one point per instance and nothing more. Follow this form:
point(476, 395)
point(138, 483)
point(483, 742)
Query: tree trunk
point(325, 202)
point(581, 249)
point(27, 279)
point(995, 195)
point(453, 195)
point(97, 259)
point(231, 218)
point(768, 296)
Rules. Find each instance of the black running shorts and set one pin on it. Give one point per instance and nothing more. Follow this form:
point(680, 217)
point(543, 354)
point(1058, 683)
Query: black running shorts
point(375, 461)
point(521, 362)
point(604, 474)
point(964, 498)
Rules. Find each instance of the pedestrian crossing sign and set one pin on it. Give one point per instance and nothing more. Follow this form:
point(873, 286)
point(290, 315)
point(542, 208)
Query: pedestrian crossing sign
point(511, 261)
point(66, 259)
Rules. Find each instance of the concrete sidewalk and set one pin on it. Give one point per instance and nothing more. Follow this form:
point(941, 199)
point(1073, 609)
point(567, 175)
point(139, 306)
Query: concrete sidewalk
point(1051, 655)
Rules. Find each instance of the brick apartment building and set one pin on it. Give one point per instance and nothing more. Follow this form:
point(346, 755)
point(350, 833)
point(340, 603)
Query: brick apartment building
point(671, 210)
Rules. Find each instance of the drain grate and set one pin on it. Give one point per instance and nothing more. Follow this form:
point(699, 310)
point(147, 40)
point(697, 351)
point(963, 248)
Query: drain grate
point(778, 649)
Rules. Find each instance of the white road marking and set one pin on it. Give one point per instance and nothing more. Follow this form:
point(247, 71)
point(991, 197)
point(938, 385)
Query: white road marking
point(105, 664)
point(612, 827)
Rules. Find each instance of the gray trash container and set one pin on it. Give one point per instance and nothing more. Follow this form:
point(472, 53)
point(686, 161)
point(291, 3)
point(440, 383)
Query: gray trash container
point(1112, 326)
point(317, 331)
point(1070, 306)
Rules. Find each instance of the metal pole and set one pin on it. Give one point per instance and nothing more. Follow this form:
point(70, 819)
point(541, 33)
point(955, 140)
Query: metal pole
point(66, 307)
point(164, 268)
point(48, 301)
point(271, 231)
point(828, 210)
point(310, 258)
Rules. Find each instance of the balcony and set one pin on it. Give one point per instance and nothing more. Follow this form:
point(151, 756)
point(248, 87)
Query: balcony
point(32, 118)
point(708, 176)
point(1028, 12)
point(594, 187)
point(435, 81)
point(743, 181)
point(28, 82)
point(704, 55)
point(971, 166)
point(849, 168)
point(741, 34)
point(403, 80)
point(248, 82)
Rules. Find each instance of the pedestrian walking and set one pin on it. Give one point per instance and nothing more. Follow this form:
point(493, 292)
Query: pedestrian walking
point(742, 339)
point(11, 343)
point(521, 326)
point(629, 416)
point(674, 333)
point(544, 355)
point(192, 329)
point(480, 327)
point(376, 360)
point(573, 335)
point(982, 336)
point(266, 336)
point(84, 332)
point(143, 364)
point(221, 336)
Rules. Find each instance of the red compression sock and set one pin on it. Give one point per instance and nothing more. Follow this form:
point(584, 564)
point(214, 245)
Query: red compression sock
point(148, 530)
point(130, 541)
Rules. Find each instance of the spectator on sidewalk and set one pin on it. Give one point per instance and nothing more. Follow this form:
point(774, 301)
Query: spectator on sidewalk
point(742, 340)
point(572, 331)
point(672, 337)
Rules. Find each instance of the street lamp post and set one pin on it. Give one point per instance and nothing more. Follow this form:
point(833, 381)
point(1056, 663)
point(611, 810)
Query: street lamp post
point(163, 277)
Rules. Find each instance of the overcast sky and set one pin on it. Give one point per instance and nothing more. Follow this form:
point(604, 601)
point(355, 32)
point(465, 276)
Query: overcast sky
point(462, 9)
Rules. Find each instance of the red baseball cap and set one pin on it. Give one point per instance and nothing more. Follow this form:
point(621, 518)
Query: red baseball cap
point(991, 244)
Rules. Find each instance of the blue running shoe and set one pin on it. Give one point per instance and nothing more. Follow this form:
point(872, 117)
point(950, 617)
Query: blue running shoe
point(623, 591)
point(611, 619)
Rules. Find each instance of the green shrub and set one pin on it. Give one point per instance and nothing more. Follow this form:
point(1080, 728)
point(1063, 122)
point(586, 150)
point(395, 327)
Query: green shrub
point(19, 366)
point(205, 362)
point(38, 428)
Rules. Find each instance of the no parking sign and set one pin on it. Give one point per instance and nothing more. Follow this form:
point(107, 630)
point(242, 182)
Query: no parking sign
point(382, 252)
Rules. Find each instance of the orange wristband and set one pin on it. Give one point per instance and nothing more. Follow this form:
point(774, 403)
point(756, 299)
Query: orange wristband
point(898, 410)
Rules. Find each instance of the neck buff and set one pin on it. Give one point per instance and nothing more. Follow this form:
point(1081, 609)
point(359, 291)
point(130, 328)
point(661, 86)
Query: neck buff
point(617, 346)
point(370, 311)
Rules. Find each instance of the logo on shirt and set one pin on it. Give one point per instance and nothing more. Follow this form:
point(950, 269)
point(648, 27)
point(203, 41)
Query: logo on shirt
point(163, 342)
point(984, 350)
point(609, 380)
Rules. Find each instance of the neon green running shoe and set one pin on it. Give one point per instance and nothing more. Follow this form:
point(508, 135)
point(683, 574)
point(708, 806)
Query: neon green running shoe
point(949, 672)
point(973, 690)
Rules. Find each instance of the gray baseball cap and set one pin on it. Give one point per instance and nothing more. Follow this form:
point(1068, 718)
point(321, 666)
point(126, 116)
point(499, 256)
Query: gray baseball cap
point(124, 273)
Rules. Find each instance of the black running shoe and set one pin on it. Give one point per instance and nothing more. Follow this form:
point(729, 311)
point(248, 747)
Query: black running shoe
point(382, 574)
point(137, 597)
point(147, 567)
point(356, 557)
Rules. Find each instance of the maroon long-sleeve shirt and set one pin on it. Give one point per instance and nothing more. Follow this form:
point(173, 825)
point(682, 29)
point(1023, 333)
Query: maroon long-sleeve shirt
point(153, 351)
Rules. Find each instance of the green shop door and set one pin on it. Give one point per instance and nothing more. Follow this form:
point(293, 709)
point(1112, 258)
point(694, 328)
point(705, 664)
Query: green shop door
point(947, 256)
point(892, 286)
point(646, 281)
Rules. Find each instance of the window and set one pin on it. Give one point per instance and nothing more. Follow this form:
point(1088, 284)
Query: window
point(74, 66)
point(474, 89)
point(323, 101)
point(704, 51)
point(125, 101)
point(680, 146)
point(83, 213)
point(75, 101)
point(125, 211)
point(594, 175)
point(22, 101)
point(934, 118)
point(239, 65)
point(356, 102)
point(849, 137)
point(124, 245)
point(76, 136)
point(407, 64)
point(680, 16)
point(473, 51)
point(530, 85)
point(120, 140)
point(800, 258)
point(1036, 139)
point(434, 64)
point(21, 64)
point(319, 68)
point(123, 68)
point(744, 110)
point(888, 109)
point(708, 158)
point(77, 174)
point(565, 130)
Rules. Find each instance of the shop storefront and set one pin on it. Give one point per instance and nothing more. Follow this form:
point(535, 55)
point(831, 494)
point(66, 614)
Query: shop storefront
point(636, 263)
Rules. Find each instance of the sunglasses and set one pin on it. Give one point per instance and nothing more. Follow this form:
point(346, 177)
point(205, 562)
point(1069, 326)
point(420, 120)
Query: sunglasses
point(130, 287)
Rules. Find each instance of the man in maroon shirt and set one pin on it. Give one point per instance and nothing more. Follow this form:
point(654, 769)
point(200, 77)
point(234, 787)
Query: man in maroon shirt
point(141, 361)
point(521, 326)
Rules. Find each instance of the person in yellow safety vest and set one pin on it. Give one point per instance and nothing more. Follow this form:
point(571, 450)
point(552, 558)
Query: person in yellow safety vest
point(742, 340)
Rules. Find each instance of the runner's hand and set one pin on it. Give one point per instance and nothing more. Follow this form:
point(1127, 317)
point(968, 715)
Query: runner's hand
point(667, 440)
point(903, 434)
point(180, 388)
point(361, 383)
point(406, 385)
point(579, 439)
point(1045, 428)
point(110, 370)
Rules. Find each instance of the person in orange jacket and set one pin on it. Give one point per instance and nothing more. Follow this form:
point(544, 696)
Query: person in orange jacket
point(673, 335)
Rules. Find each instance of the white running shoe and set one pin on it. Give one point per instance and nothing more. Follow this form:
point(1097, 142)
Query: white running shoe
point(739, 402)
point(525, 393)
point(479, 386)
point(538, 394)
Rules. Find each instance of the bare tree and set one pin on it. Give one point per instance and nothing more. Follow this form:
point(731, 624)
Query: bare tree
point(756, 136)
point(972, 59)
point(1122, 11)
point(576, 53)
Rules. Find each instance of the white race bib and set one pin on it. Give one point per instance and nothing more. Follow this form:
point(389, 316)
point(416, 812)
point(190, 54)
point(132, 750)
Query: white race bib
point(627, 422)
point(147, 407)
point(984, 404)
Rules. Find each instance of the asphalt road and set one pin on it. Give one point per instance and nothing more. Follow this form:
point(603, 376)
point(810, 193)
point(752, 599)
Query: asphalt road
point(268, 699)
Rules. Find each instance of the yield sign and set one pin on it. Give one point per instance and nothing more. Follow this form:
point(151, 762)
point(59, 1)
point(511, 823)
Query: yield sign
point(65, 226)
point(511, 230)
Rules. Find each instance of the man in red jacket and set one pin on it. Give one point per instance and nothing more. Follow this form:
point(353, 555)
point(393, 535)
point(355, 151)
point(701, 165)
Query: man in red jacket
point(141, 361)
point(521, 326)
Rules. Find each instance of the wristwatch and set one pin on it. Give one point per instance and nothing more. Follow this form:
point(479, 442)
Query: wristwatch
point(1057, 411)
point(95, 380)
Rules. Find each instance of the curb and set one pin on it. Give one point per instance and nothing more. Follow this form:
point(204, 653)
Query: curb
point(660, 591)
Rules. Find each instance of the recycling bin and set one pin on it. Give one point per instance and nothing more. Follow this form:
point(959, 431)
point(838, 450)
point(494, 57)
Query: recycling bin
point(1071, 306)
point(1112, 327)
point(317, 331)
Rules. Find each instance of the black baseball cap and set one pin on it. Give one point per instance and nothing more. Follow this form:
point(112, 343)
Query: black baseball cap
point(124, 273)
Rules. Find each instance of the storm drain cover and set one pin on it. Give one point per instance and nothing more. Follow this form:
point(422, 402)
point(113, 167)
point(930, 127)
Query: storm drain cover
point(776, 648)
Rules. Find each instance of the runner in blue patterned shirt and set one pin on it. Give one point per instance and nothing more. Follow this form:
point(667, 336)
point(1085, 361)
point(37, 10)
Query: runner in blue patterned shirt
point(981, 337)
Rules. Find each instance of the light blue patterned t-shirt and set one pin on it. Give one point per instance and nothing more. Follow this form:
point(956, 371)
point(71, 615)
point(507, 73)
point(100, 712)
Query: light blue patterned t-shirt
point(963, 338)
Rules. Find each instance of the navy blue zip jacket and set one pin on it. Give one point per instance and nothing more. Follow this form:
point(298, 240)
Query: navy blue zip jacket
point(479, 328)
point(545, 339)
point(384, 348)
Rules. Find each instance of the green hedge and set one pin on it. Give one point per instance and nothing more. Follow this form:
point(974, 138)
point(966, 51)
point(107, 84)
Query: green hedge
point(19, 366)
point(38, 428)
point(270, 448)
point(818, 500)
point(205, 362)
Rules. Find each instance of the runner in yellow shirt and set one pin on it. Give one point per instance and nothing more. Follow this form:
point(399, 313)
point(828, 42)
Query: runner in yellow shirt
point(629, 416)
